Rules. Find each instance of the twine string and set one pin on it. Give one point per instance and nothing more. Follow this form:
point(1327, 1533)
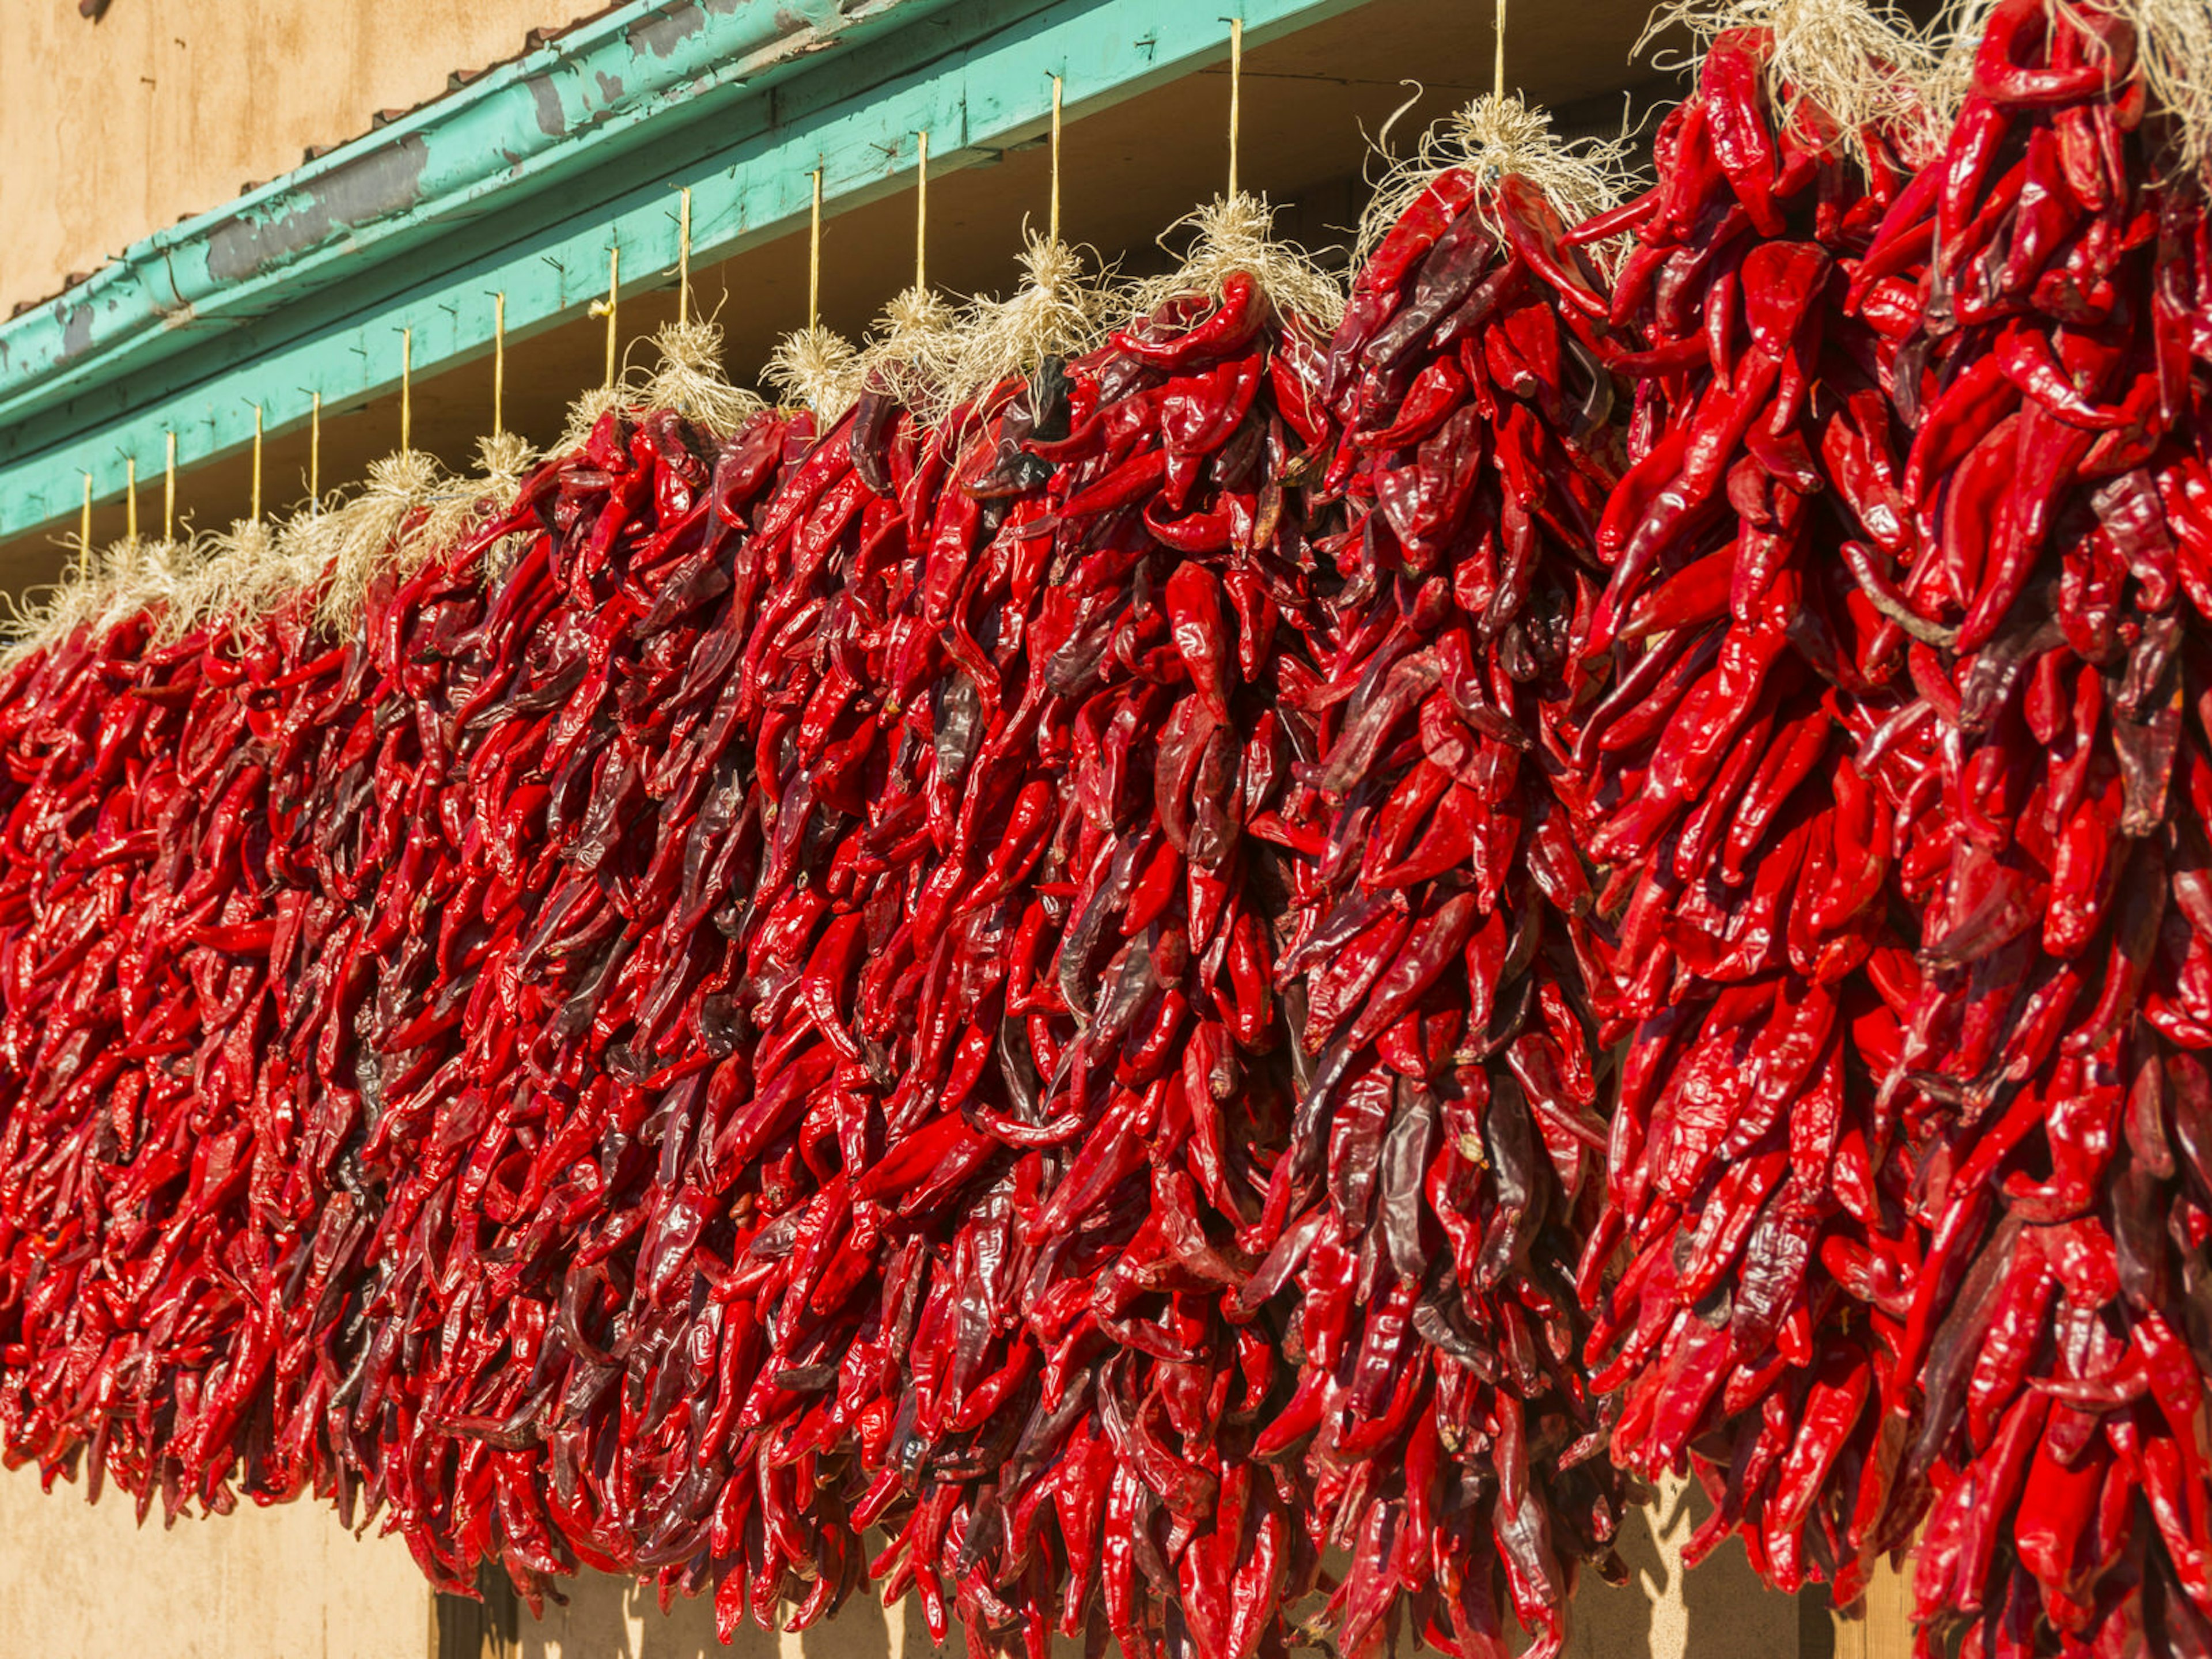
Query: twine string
point(614, 297)
point(1235, 92)
point(684, 261)
point(920, 211)
point(499, 364)
point(814, 256)
point(169, 491)
point(1054, 236)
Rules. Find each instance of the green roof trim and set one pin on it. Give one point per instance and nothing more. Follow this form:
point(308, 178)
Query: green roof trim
point(519, 180)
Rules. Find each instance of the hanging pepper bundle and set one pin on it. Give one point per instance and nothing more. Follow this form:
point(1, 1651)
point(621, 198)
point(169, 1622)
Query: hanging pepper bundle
point(2045, 543)
point(538, 1043)
point(1441, 1173)
point(153, 1193)
point(1093, 670)
point(190, 1245)
point(1754, 1190)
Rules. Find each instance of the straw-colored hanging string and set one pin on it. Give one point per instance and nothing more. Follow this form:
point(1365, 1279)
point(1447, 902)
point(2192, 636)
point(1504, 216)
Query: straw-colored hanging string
point(614, 302)
point(1236, 91)
point(315, 456)
point(1054, 219)
point(607, 308)
point(920, 210)
point(1498, 81)
point(406, 390)
point(812, 368)
point(814, 256)
point(1233, 235)
point(257, 463)
point(131, 497)
point(499, 363)
point(684, 261)
point(169, 491)
point(84, 531)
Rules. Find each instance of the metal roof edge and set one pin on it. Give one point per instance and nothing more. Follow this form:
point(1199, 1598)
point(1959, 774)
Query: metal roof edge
point(525, 125)
point(741, 130)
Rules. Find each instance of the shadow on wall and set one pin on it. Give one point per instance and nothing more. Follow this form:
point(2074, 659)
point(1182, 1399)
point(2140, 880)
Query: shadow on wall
point(1719, 1612)
point(607, 1619)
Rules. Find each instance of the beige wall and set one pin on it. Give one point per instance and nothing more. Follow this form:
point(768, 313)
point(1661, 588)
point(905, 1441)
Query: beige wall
point(84, 1583)
point(605, 1618)
point(166, 108)
point(80, 1581)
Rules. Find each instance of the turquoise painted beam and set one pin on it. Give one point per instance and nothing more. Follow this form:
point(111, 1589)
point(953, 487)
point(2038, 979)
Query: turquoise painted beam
point(739, 99)
point(563, 109)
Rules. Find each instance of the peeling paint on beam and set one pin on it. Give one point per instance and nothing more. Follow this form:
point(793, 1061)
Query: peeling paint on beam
point(385, 181)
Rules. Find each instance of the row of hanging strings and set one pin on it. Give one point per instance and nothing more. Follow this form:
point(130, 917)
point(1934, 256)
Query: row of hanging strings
point(929, 355)
point(607, 308)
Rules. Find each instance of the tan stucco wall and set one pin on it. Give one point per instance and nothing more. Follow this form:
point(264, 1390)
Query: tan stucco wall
point(605, 1618)
point(84, 1583)
point(80, 1581)
point(165, 108)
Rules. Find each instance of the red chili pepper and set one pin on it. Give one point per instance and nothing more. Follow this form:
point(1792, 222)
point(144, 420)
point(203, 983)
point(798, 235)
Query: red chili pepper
point(2001, 76)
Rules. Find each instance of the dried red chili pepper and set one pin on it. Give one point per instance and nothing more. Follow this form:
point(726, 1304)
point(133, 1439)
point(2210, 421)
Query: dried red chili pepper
point(1441, 1172)
point(2036, 786)
point(1754, 1179)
